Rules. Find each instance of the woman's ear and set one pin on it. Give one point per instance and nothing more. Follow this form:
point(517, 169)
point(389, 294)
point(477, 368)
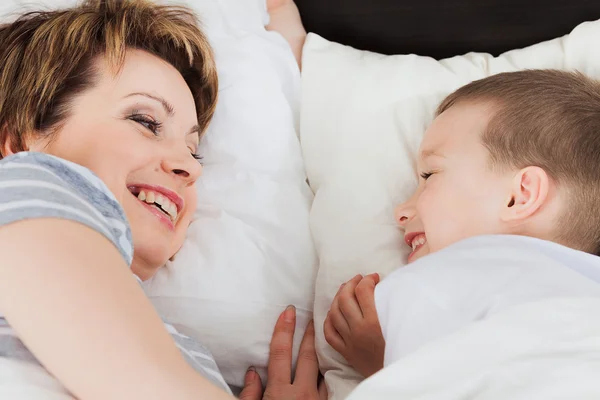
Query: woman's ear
point(529, 192)
point(9, 147)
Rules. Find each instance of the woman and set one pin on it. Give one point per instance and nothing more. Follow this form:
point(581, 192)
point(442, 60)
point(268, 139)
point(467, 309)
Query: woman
point(101, 110)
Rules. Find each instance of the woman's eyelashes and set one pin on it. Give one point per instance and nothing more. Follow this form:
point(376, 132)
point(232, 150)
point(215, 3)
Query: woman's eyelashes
point(154, 126)
point(146, 121)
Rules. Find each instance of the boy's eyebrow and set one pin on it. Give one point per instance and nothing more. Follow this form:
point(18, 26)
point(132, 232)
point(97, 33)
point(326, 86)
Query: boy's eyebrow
point(430, 153)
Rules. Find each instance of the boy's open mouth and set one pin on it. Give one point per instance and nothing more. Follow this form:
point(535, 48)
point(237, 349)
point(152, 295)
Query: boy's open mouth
point(416, 240)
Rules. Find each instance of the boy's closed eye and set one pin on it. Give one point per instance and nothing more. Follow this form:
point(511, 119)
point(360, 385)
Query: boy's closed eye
point(426, 175)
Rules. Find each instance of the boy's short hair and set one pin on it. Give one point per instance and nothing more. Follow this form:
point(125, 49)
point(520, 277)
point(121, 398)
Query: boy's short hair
point(47, 58)
point(549, 119)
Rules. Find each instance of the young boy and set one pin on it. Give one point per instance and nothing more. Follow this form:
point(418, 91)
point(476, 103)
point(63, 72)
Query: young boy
point(516, 157)
point(506, 213)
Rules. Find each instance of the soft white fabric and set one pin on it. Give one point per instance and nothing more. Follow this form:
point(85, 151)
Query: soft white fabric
point(473, 279)
point(249, 252)
point(536, 351)
point(363, 116)
point(21, 380)
point(491, 317)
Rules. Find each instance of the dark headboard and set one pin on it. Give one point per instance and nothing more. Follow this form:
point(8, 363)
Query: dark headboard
point(444, 28)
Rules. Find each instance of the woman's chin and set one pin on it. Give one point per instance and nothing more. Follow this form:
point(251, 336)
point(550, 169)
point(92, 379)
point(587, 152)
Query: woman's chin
point(147, 260)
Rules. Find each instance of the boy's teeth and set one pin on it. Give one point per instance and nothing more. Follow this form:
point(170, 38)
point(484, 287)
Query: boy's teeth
point(417, 242)
point(142, 196)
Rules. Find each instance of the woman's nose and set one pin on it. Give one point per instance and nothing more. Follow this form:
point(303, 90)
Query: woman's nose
point(184, 166)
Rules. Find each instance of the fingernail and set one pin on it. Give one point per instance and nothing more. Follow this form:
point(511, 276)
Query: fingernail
point(289, 314)
point(342, 285)
point(250, 374)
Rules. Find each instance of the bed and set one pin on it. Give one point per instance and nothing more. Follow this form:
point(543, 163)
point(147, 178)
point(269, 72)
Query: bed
point(255, 199)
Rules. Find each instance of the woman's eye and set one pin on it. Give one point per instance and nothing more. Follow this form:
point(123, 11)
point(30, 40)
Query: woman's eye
point(426, 175)
point(147, 122)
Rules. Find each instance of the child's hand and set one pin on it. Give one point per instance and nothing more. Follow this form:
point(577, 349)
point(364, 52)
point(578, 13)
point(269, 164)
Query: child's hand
point(352, 326)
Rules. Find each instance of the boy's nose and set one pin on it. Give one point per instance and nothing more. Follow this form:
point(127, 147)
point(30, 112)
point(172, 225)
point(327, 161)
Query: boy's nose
point(405, 212)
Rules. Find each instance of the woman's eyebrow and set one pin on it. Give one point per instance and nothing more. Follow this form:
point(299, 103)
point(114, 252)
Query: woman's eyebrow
point(166, 105)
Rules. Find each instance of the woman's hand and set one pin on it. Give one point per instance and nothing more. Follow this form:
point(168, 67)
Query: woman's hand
point(352, 326)
point(280, 384)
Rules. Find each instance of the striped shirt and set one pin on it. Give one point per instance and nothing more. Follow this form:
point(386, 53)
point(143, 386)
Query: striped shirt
point(37, 185)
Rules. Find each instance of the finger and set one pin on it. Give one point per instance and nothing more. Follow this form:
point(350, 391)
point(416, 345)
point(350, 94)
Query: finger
point(333, 337)
point(337, 319)
point(307, 371)
point(280, 355)
point(355, 278)
point(337, 294)
point(376, 278)
point(365, 295)
point(348, 303)
point(323, 392)
point(252, 386)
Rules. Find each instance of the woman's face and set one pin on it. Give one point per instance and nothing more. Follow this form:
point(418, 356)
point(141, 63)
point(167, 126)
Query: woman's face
point(137, 131)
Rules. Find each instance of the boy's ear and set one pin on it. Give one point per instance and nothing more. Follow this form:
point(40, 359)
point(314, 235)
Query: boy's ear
point(529, 191)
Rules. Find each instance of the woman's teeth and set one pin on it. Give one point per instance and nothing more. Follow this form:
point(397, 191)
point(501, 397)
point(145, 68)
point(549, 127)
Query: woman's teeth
point(418, 241)
point(164, 204)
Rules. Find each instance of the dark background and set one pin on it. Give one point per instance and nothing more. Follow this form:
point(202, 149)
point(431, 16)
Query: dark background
point(444, 28)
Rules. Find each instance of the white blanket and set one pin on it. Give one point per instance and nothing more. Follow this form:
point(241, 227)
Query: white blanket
point(492, 317)
point(542, 350)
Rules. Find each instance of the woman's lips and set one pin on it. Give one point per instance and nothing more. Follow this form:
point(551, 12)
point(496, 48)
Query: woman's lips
point(163, 218)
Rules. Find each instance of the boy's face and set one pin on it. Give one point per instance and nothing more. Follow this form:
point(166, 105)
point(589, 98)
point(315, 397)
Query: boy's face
point(458, 196)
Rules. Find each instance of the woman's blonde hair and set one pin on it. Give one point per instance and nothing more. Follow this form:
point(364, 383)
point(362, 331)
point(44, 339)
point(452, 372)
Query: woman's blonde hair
point(47, 58)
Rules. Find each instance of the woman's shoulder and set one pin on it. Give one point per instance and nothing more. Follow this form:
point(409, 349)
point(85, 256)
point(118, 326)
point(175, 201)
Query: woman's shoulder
point(40, 165)
point(38, 185)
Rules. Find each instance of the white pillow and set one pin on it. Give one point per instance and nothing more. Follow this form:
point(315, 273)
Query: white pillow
point(249, 252)
point(363, 116)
